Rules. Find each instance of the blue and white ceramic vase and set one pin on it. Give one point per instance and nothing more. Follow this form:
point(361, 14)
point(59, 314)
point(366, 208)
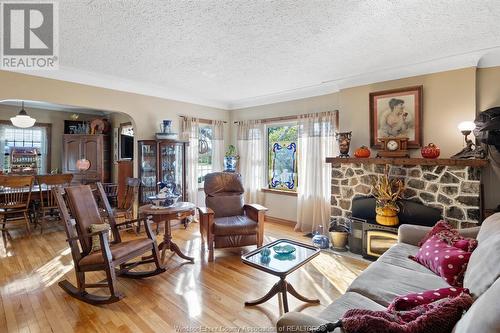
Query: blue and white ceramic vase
point(320, 240)
point(230, 163)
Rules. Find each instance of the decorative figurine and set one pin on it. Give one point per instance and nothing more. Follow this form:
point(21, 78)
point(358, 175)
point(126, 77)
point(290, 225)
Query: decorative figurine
point(471, 150)
point(344, 140)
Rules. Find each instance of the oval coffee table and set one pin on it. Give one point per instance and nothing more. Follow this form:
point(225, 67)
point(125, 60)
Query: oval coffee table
point(178, 211)
point(281, 265)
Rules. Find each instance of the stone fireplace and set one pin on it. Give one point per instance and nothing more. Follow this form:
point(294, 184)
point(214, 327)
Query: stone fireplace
point(452, 186)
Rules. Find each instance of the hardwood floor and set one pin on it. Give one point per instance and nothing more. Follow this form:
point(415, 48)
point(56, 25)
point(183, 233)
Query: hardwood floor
point(189, 296)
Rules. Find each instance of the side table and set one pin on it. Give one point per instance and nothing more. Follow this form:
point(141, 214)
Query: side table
point(178, 211)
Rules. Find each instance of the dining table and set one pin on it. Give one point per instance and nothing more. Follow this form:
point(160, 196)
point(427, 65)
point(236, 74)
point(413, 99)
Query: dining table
point(35, 191)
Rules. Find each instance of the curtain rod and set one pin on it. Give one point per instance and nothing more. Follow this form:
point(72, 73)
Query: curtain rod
point(204, 121)
point(295, 117)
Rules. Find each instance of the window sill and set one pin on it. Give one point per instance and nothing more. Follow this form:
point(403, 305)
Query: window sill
point(280, 192)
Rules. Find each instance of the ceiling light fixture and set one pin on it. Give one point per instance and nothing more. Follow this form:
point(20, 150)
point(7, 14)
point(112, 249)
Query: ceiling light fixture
point(22, 119)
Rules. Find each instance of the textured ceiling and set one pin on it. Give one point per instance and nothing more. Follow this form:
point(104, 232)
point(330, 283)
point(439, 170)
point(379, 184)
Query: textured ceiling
point(232, 51)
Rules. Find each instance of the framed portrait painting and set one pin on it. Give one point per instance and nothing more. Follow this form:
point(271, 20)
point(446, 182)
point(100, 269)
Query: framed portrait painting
point(396, 113)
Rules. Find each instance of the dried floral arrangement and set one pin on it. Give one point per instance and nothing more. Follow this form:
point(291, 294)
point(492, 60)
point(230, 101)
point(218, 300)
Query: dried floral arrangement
point(388, 191)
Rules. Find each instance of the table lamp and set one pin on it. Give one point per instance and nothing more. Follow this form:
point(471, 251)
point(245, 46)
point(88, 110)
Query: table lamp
point(466, 127)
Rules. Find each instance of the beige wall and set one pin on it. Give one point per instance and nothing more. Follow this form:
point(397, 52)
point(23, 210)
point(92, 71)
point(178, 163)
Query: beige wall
point(56, 118)
point(449, 98)
point(147, 112)
point(488, 96)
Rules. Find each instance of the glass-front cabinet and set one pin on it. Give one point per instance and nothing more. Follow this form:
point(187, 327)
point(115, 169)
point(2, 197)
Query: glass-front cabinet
point(172, 170)
point(147, 168)
point(162, 160)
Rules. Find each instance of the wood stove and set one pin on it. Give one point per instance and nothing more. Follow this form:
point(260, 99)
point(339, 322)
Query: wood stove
point(371, 239)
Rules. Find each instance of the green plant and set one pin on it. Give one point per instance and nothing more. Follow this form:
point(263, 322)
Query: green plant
point(231, 151)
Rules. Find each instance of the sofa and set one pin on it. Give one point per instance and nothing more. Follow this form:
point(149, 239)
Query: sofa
point(394, 274)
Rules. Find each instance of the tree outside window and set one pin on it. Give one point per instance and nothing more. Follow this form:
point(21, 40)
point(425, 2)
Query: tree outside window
point(204, 153)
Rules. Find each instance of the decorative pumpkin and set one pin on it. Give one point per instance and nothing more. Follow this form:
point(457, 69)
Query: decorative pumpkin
point(430, 151)
point(362, 152)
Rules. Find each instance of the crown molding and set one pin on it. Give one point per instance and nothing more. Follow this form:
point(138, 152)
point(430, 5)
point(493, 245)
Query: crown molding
point(488, 57)
point(74, 75)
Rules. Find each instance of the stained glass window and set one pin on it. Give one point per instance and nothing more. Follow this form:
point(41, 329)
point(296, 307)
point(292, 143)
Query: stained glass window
point(282, 157)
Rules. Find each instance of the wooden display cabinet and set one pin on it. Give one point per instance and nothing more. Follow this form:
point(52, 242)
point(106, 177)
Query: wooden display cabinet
point(93, 147)
point(161, 160)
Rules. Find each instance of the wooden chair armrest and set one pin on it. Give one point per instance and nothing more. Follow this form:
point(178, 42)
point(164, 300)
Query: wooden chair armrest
point(255, 207)
point(88, 234)
point(131, 221)
point(105, 249)
point(205, 211)
point(255, 212)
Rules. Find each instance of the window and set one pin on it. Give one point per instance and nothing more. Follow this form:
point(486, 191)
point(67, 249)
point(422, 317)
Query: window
point(36, 137)
point(205, 135)
point(282, 156)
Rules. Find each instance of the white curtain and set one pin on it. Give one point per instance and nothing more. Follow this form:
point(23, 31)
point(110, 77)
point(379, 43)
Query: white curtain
point(250, 144)
point(217, 145)
point(43, 150)
point(316, 143)
point(190, 131)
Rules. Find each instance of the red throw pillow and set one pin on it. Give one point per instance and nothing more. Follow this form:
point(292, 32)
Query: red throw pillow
point(445, 260)
point(409, 301)
point(445, 231)
point(439, 316)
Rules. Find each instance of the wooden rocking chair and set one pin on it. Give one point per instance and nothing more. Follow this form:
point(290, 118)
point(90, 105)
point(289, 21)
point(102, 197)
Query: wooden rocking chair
point(113, 257)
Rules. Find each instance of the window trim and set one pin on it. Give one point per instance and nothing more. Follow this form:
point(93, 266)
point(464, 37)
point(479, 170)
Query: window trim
point(280, 192)
point(48, 129)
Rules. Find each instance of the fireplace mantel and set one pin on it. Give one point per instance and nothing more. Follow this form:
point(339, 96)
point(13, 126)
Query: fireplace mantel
point(477, 163)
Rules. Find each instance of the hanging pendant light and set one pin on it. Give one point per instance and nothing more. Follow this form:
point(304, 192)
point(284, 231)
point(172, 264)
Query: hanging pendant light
point(22, 120)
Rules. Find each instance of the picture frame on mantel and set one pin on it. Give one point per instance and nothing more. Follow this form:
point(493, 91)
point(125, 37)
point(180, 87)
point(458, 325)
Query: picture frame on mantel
point(397, 113)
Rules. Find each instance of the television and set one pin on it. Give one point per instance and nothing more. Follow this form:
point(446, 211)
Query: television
point(126, 147)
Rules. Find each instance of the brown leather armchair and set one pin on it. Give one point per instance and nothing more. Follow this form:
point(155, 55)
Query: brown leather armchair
point(227, 221)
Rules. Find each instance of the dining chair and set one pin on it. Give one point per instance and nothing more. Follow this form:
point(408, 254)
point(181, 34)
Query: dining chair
point(111, 190)
point(125, 208)
point(48, 210)
point(15, 196)
point(87, 234)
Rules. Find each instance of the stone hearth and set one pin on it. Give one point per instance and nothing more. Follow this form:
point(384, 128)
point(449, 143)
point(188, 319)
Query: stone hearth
point(454, 189)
